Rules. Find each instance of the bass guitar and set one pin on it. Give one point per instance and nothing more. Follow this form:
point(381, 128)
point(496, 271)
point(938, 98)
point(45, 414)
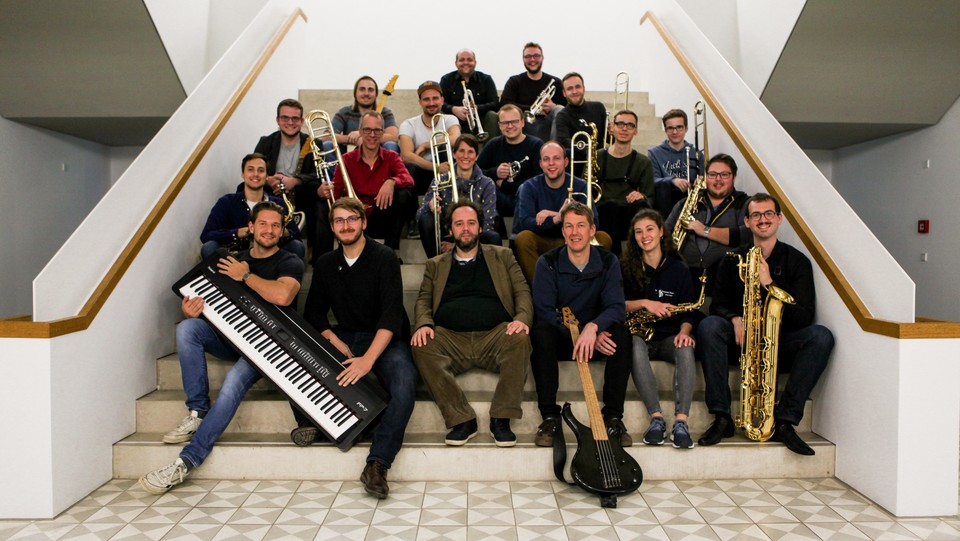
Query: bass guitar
point(600, 465)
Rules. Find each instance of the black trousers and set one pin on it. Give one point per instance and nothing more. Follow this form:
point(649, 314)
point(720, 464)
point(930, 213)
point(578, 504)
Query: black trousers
point(552, 344)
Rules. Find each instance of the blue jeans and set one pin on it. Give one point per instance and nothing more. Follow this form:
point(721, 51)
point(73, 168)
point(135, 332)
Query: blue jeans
point(293, 246)
point(195, 337)
point(235, 386)
point(398, 375)
point(802, 352)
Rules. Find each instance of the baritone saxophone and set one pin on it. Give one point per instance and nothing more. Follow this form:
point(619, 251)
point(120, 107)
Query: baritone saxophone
point(758, 357)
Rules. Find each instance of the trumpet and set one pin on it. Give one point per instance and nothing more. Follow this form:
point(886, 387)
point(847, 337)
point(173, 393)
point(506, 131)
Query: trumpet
point(537, 107)
point(321, 131)
point(439, 142)
point(621, 88)
point(585, 141)
point(515, 168)
point(473, 114)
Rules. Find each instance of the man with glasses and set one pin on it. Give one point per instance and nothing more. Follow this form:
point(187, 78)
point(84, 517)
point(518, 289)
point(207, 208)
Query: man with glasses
point(480, 84)
point(803, 346)
point(524, 88)
point(380, 180)
point(717, 226)
point(626, 179)
point(510, 159)
point(360, 282)
point(290, 164)
point(346, 122)
point(577, 116)
point(670, 175)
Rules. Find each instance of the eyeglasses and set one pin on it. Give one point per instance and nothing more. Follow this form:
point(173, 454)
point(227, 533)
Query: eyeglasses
point(674, 128)
point(723, 174)
point(509, 122)
point(352, 220)
point(628, 125)
point(290, 119)
point(768, 214)
point(376, 131)
point(532, 56)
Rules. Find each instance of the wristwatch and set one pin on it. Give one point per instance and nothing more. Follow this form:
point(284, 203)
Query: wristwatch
point(706, 231)
point(245, 276)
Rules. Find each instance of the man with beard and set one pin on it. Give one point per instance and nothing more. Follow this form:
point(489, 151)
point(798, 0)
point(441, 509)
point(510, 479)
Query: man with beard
point(718, 226)
point(803, 346)
point(587, 280)
point(671, 176)
point(346, 122)
point(227, 222)
point(290, 165)
point(269, 272)
point(478, 83)
point(416, 132)
point(380, 181)
point(539, 202)
point(360, 282)
point(577, 116)
point(474, 310)
point(524, 88)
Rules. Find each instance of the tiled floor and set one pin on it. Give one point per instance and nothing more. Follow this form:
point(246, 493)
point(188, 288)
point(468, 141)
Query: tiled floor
point(668, 510)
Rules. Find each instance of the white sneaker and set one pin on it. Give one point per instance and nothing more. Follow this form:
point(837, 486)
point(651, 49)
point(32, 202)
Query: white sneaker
point(185, 430)
point(167, 477)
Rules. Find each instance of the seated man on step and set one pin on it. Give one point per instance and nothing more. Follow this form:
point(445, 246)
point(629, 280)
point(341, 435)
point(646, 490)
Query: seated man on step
point(474, 310)
point(268, 271)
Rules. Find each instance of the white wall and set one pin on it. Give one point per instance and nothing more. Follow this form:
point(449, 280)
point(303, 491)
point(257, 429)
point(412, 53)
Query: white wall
point(41, 203)
point(182, 27)
point(764, 28)
point(120, 159)
point(887, 183)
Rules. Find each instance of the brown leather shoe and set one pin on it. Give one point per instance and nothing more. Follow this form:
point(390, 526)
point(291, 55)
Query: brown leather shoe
point(545, 432)
point(374, 479)
point(616, 430)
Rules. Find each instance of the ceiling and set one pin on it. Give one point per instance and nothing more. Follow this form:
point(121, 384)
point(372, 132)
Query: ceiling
point(94, 69)
point(856, 70)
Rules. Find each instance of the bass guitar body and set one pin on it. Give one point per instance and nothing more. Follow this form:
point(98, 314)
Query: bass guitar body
point(601, 467)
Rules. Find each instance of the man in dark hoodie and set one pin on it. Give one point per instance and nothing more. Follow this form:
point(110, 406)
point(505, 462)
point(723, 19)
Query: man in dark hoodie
point(671, 174)
point(577, 116)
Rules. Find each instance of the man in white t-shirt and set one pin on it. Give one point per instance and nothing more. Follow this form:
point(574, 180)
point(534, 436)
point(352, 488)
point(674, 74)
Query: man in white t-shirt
point(416, 132)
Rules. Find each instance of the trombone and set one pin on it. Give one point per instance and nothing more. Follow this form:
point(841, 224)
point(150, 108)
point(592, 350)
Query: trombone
point(621, 90)
point(537, 107)
point(584, 141)
point(700, 119)
point(321, 131)
point(473, 113)
point(440, 142)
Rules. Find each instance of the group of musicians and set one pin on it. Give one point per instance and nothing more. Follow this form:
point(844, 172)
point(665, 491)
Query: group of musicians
point(479, 305)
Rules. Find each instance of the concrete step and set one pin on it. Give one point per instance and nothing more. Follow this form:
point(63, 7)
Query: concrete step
point(267, 411)
point(168, 376)
point(425, 458)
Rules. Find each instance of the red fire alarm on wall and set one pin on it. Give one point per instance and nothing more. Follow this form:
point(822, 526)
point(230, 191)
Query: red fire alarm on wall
point(923, 226)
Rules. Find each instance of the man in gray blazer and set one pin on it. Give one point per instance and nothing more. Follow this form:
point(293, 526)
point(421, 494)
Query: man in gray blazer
point(474, 310)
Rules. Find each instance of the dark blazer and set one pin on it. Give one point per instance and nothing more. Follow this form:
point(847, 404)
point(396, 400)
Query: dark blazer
point(511, 286)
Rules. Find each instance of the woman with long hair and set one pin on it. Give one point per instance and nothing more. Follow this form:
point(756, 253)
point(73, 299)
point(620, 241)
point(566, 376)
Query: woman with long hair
point(656, 280)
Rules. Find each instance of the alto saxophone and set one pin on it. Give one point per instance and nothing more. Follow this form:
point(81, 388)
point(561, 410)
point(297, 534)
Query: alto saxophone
point(640, 321)
point(686, 213)
point(758, 358)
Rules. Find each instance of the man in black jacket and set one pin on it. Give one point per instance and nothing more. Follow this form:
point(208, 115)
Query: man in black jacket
point(482, 87)
point(290, 165)
point(803, 347)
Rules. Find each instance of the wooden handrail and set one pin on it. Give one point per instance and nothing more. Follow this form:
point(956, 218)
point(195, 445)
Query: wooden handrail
point(21, 328)
point(860, 312)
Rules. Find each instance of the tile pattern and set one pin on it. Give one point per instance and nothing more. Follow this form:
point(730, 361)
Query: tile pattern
point(763, 509)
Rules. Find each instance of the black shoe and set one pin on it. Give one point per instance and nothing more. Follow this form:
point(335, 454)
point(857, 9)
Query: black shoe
point(616, 430)
point(545, 432)
point(786, 435)
point(502, 435)
point(413, 232)
point(461, 433)
point(304, 436)
point(722, 427)
point(374, 479)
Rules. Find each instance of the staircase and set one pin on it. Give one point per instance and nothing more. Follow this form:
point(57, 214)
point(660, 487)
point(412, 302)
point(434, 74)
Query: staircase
point(256, 444)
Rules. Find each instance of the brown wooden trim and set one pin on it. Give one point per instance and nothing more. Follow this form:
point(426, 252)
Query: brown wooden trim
point(79, 322)
point(867, 322)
